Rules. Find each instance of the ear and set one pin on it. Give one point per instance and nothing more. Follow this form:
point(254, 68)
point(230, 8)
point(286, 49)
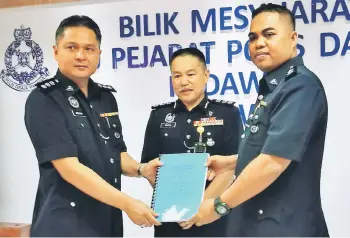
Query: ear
point(294, 38)
point(206, 75)
point(55, 51)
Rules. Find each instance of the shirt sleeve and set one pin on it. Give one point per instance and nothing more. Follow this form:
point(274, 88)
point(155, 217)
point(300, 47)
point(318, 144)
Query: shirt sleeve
point(152, 142)
point(233, 131)
point(295, 118)
point(47, 129)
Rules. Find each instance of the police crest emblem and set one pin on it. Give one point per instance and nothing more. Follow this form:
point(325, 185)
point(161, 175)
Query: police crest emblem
point(24, 62)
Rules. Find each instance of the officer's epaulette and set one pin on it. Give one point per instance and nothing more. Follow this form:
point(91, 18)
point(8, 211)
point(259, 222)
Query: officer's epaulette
point(106, 87)
point(291, 72)
point(222, 102)
point(48, 84)
point(167, 104)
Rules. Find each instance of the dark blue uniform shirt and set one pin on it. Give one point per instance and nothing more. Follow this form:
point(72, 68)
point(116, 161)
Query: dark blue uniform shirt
point(171, 129)
point(289, 121)
point(62, 122)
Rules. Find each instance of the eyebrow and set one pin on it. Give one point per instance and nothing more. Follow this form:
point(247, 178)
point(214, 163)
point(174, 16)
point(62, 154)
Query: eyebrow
point(178, 72)
point(263, 31)
point(75, 43)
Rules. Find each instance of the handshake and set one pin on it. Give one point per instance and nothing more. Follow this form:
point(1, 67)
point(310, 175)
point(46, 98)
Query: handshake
point(143, 215)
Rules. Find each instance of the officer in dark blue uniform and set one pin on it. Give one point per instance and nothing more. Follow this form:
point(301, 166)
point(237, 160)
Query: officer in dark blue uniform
point(277, 190)
point(74, 126)
point(172, 128)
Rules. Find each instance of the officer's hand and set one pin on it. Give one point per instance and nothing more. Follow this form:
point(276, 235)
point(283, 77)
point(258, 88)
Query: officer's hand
point(149, 171)
point(210, 175)
point(205, 215)
point(220, 164)
point(141, 214)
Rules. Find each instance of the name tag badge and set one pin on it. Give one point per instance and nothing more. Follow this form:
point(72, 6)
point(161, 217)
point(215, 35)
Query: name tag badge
point(78, 114)
point(168, 125)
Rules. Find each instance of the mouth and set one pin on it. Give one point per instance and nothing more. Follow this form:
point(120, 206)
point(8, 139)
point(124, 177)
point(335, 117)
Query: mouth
point(81, 66)
point(261, 55)
point(186, 90)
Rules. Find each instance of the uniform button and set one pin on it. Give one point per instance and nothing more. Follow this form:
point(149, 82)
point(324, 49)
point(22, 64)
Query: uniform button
point(165, 134)
point(260, 97)
point(209, 134)
point(115, 180)
point(188, 137)
point(98, 125)
point(188, 151)
point(72, 204)
point(261, 211)
point(256, 117)
point(251, 116)
point(242, 136)
point(111, 160)
point(105, 142)
point(91, 106)
point(188, 121)
point(82, 125)
point(114, 126)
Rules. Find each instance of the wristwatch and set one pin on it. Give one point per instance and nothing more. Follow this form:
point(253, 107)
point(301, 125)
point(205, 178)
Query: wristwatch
point(220, 207)
point(139, 170)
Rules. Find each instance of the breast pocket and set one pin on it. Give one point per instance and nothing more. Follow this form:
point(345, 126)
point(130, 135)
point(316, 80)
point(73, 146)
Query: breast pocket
point(115, 132)
point(173, 141)
point(213, 138)
point(82, 133)
point(256, 130)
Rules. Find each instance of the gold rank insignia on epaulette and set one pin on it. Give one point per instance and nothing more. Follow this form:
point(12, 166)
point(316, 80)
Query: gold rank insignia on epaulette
point(291, 72)
point(106, 87)
point(47, 84)
point(222, 102)
point(167, 104)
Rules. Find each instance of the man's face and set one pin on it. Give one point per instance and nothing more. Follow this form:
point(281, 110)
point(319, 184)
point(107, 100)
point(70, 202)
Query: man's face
point(77, 52)
point(272, 40)
point(189, 77)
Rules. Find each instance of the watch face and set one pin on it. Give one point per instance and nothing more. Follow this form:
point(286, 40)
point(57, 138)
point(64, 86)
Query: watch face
point(221, 210)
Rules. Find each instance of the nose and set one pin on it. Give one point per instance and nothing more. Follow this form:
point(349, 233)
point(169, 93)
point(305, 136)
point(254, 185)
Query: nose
point(80, 55)
point(184, 80)
point(260, 43)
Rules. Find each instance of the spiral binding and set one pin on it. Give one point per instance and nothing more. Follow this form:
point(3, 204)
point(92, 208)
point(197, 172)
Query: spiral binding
point(155, 189)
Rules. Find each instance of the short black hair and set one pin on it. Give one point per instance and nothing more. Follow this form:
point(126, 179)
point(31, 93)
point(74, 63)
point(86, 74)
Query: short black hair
point(270, 7)
point(79, 21)
point(189, 51)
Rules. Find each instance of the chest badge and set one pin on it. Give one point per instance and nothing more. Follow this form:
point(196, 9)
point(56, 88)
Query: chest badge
point(73, 102)
point(109, 114)
point(170, 117)
point(117, 135)
point(254, 129)
point(210, 142)
point(211, 121)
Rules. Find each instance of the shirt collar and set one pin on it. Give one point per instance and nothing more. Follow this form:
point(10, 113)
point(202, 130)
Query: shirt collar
point(179, 106)
point(273, 78)
point(71, 88)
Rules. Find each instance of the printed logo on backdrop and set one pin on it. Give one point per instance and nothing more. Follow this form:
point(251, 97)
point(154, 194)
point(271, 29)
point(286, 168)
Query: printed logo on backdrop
point(24, 62)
